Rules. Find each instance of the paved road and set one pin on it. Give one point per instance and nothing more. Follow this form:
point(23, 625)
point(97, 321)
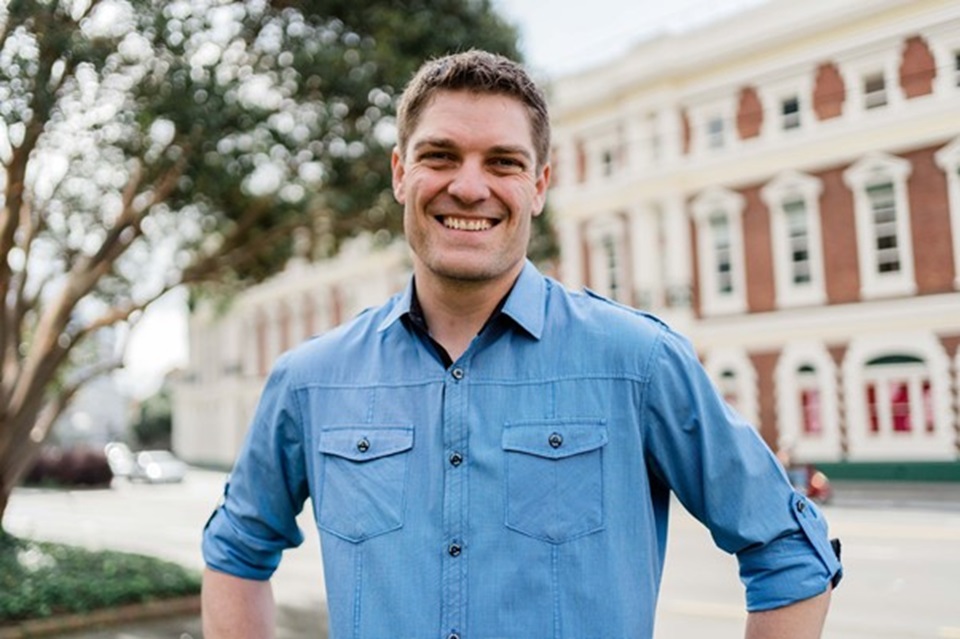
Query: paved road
point(902, 555)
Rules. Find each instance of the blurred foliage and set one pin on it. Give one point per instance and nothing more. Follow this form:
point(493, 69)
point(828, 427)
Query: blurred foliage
point(154, 426)
point(39, 579)
point(146, 144)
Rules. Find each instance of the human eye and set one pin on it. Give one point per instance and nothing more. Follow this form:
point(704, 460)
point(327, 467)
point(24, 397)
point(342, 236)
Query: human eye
point(436, 157)
point(508, 164)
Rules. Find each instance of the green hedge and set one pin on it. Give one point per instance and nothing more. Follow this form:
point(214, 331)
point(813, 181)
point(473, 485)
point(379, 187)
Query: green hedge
point(39, 579)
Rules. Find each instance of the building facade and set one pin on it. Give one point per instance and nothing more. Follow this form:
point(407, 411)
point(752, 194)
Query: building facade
point(232, 349)
point(784, 187)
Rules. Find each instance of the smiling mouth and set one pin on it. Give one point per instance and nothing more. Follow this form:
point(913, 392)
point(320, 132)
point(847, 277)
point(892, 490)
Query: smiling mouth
point(467, 223)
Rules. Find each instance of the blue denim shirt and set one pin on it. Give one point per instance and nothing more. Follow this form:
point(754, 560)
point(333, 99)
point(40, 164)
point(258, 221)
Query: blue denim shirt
point(522, 491)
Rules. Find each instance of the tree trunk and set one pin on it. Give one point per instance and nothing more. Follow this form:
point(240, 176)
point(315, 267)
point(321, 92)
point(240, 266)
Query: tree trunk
point(15, 461)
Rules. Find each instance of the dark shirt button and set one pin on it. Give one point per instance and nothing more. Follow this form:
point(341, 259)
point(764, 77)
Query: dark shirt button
point(363, 445)
point(453, 635)
point(556, 440)
point(801, 506)
point(454, 550)
point(457, 373)
point(456, 459)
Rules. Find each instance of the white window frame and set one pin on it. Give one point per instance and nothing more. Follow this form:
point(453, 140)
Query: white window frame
point(876, 99)
point(827, 446)
point(723, 111)
point(717, 201)
point(948, 159)
point(919, 445)
point(773, 93)
point(885, 61)
point(603, 233)
point(876, 169)
point(775, 194)
point(745, 380)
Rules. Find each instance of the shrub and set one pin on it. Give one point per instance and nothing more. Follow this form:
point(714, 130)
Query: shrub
point(39, 579)
point(79, 466)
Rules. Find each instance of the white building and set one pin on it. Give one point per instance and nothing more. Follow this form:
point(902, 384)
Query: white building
point(232, 349)
point(784, 186)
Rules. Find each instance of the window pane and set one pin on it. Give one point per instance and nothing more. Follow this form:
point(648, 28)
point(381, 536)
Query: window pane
point(810, 406)
point(790, 109)
point(715, 136)
point(874, 91)
point(883, 207)
point(723, 255)
point(799, 240)
point(900, 406)
point(610, 251)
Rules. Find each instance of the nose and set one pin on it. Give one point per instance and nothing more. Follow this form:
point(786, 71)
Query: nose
point(469, 184)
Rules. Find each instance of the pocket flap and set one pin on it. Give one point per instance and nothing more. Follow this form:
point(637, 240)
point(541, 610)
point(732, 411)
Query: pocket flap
point(365, 443)
point(554, 440)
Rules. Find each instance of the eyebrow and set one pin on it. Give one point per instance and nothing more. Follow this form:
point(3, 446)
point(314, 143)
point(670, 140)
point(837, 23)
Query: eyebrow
point(499, 149)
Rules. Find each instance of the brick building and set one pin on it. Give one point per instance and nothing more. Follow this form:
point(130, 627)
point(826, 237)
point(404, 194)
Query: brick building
point(784, 187)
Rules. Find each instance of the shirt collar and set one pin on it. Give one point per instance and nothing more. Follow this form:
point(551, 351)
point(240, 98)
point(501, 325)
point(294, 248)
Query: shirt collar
point(525, 303)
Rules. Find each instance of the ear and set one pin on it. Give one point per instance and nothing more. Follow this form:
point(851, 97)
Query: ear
point(399, 171)
point(542, 184)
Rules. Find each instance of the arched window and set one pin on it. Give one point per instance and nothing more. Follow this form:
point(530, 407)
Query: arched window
point(807, 415)
point(735, 377)
point(898, 399)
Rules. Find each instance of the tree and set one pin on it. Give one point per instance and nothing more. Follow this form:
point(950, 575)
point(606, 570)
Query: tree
point(146, 144)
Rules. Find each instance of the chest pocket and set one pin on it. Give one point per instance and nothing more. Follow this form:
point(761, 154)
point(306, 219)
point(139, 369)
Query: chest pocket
point(554, 478)
point(364, 480)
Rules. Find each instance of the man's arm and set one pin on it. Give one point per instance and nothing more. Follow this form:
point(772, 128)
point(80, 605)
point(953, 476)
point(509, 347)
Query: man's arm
point(801, 620)
point(235, 608)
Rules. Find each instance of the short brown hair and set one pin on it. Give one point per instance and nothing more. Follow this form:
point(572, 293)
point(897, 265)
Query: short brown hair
point(480, 72)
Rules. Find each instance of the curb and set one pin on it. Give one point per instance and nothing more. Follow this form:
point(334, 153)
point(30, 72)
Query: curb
point(56, 626)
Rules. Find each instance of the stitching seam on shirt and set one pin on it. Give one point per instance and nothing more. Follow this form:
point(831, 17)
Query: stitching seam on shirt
point(555, 570)
point(356, 592)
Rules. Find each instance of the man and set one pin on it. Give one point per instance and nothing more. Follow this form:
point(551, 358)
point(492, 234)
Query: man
point(490, 455)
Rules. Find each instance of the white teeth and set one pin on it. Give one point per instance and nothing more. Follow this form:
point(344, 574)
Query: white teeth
point(466, 224)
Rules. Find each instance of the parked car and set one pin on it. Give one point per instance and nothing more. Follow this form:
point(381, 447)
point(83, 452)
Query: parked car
point(158, 466)
point(153, 466)
point(120, 459)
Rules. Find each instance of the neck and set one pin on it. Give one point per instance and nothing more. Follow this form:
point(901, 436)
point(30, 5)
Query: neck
point(456, 310)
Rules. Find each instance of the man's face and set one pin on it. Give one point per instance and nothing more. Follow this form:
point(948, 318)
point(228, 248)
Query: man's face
point(469, 187)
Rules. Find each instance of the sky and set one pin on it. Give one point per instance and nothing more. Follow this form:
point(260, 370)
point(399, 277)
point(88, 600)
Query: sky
point(558, 37)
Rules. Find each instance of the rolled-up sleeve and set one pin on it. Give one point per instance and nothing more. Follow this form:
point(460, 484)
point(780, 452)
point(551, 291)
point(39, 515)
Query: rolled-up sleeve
point(726, 476)
point(256, 519)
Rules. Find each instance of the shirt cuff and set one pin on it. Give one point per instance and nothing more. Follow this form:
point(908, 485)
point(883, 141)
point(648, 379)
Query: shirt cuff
point(794, 567)
point(228, 549)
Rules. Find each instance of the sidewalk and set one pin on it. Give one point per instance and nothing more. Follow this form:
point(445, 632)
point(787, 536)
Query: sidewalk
point(897, 494)
point(299, 623)
point(291, 624)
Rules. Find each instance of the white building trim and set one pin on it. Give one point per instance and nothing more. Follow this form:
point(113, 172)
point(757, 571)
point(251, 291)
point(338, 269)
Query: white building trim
point(735, 377)
point(887, 444)
point(825, 445)
point(948, 159)
point(780, 195)
point(718, 215)
point(871, 172)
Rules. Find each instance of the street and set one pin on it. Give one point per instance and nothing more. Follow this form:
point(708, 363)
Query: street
point(902, 564)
